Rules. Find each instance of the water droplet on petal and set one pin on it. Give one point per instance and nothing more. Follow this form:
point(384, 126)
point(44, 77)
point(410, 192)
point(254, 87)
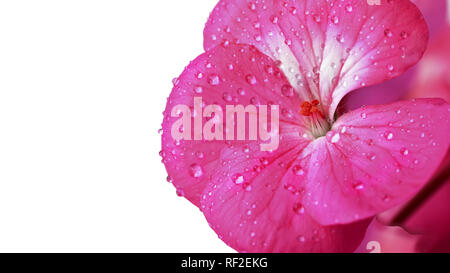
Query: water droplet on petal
point(297, 169)
point(238, 179)
point(404, 35)
point(404, 151)
point(198, 89)
point(214, 80)
point(358, 186)
point(335, 19)
point(335, 138)
point(388, 33)
point(389, 135)
point(299, 209)
point(301, 239)
point(251, 79)
point(349, 8)
point(196, 171)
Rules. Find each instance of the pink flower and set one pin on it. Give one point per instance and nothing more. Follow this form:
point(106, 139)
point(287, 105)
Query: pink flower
point(331, 173)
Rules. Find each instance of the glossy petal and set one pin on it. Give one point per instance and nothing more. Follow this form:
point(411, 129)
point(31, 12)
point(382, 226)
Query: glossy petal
point(223, 76)
point(433, 78)
point(261, 214)
point(435, 15)
point(373, 159)
point(325, 48)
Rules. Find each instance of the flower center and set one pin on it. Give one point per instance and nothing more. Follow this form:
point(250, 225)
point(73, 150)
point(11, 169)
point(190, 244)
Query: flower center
point(317, 120)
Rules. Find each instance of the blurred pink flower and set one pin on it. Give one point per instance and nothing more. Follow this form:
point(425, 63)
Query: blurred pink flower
point(385, 239)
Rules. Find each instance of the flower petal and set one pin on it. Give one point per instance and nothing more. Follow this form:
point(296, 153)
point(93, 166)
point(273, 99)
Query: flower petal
point(397, 88)
point(373, 159)
point(261, 214)
point(232, 75)
point(326, 48)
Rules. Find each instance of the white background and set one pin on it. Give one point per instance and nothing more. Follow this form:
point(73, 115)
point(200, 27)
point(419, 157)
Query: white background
point(82, 88)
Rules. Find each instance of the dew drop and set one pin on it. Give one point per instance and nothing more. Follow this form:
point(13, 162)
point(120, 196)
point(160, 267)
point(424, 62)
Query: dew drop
point(251, 79)
point(301, 239)
point(297, 169)
point(241, 91)
point(198, 89)
point(227, 97)
point(404, 35)
point(335, 138)
point(200, 155)
point(238, 179)
point(358, 186)
point(214, 80)
point(389, 135)
point(299, 209)
point(335, 19)
point(404, 151)
point(196, 171)
point(340, 38)
point(274, 19)
point(388, 33)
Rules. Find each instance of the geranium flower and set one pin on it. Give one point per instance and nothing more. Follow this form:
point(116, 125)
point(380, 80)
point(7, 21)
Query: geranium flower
point(435, 14)
point(330, 172)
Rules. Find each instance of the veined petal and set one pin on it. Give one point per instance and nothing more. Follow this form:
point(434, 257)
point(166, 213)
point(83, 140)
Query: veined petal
point(261, 214)
point(373, 159)
point(428, 79)
point(326, 48)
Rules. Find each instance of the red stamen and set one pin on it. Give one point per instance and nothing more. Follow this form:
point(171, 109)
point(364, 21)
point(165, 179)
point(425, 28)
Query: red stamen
point(309, 108)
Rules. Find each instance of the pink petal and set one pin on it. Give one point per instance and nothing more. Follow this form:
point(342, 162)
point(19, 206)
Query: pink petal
point(385, 239)
point(251, 209)
point(326, 48)
point(373, 159)
point(397, 88)
point(223, 76)
point(383, 93)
